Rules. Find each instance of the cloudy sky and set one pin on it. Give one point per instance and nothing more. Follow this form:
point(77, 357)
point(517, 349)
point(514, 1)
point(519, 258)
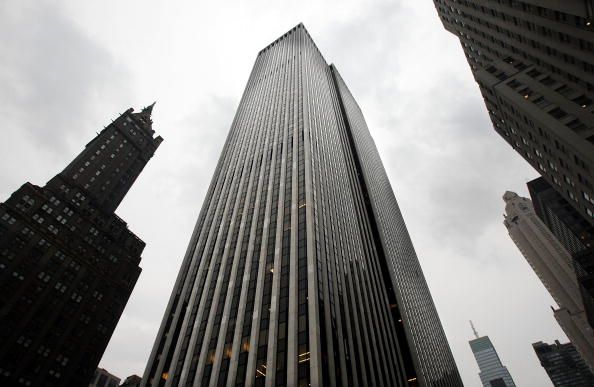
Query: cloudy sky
point(68, 68)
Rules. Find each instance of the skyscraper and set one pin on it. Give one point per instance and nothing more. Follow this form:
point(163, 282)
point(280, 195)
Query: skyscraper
point(554, 266)
point(568, 226)
point(67, 263)
point(534, 65)
point(300, 270)
point(492, 372)
point(563, 364)
point(574, 233)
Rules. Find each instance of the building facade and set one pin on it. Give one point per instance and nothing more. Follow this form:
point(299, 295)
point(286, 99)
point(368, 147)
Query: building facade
point(102, 378)
point(534, 63)
point(300, 270)
point(132, 381)
point(563, 364)
point(573, 231)
point(554, 266)
point(491, 371)
point(67, 263)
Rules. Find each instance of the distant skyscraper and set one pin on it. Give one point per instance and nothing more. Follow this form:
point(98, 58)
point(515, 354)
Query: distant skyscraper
point(300, 270)
point(564, 365)
point(492, 372)
point(67, 263)
point(574, 233)
point(534, 64)
point(554, 266)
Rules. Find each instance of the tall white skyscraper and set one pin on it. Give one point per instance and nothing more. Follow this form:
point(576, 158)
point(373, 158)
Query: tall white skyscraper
point(492, 372)
point(553, 265)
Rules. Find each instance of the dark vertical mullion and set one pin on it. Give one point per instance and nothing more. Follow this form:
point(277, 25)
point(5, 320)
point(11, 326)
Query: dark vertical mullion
point(201, 299)
point(368, 292)
point(195, 242)
point(256, 149)
point(252, 256)
point(263, 243)
point(361, 334)
point(282, 122)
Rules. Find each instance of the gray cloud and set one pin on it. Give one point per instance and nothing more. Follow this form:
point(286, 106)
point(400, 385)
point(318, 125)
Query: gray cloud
point(53, 81)
point(67, 68)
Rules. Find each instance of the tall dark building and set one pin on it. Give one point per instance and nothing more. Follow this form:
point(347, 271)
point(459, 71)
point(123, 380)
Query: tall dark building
point(300, 270)
point(573, 232)
point(67, 263)
point(569, 227)
point(563, 364)
point(534, 63)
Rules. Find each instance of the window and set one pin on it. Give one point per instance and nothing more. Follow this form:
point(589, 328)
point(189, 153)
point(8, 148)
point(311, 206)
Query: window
point(558, 113)
point(541, 102)
point(564, 90)
point(514, 84)
point(553, 166)
point(576, 125)
point(569, 181)
point(547, 81)
point(583, 101)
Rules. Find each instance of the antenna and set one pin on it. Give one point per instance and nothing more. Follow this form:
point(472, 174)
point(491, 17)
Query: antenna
point(473, 329)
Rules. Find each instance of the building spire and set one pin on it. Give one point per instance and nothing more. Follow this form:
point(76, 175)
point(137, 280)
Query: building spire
point(474, 329)
point(149, 108)
point(144, 117)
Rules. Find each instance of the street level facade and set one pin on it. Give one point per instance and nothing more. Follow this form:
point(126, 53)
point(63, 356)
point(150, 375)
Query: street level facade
point(300, 270)
point(67, 263)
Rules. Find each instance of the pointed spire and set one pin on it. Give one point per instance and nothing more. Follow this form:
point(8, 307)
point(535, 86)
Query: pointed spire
point(473, 329)
point(149, 108)
point(144, 117)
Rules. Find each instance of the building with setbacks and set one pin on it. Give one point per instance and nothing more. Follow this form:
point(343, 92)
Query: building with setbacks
point(68, 263)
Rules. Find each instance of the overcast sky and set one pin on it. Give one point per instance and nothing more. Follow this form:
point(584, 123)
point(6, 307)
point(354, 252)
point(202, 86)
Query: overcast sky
point(68, 68)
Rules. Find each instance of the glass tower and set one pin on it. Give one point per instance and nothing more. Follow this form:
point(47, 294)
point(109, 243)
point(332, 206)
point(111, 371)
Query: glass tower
point(300, 270)
point(492, 372)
